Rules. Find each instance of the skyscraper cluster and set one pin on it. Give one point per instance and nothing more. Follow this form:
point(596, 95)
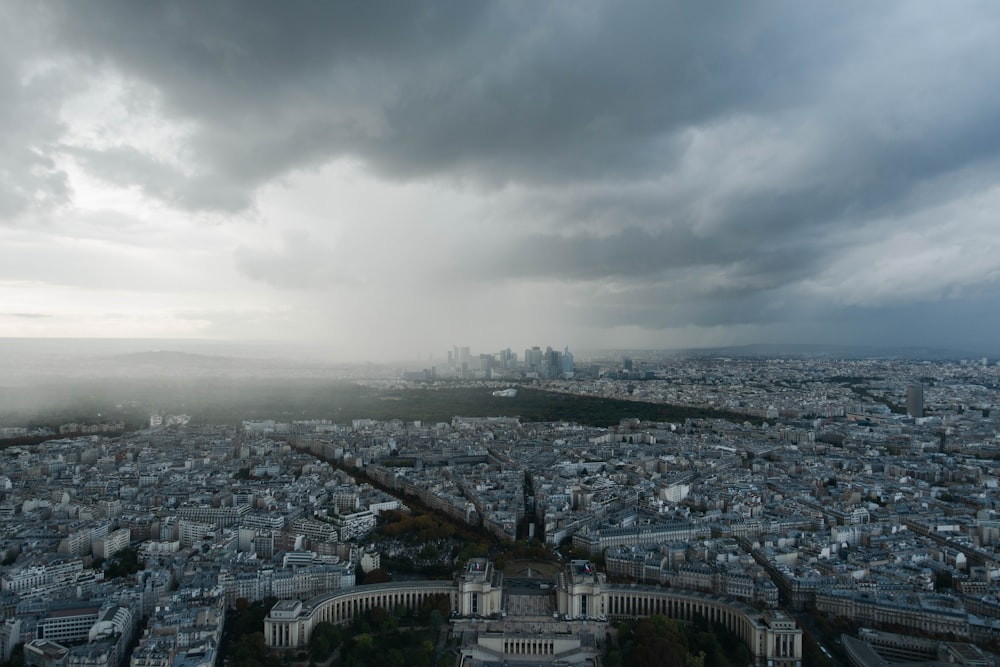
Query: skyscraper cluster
point(547, 363)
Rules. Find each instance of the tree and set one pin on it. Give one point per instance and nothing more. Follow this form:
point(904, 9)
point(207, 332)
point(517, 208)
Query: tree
point(325, 639)
point(16, 657)
point(395, 658)
point(439, 602)
point(122, 564)
point(658, 644)
point(319, 648)
point(247, 647)
point(435, 620)
point(377, 576)
point(379, 615)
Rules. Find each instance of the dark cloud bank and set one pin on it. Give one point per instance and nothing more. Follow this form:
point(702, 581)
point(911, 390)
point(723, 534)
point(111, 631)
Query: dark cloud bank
point(680, 163)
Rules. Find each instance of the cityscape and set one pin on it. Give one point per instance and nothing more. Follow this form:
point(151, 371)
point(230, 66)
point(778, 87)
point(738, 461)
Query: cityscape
point(436, 333)
point(858, 494)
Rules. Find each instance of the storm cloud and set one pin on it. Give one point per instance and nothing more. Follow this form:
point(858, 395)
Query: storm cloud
point(689, 172)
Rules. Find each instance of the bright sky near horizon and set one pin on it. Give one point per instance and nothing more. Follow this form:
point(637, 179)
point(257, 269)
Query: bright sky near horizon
point(391, 178)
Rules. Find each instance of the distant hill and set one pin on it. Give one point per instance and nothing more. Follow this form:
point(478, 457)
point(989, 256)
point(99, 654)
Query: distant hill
point(840, 352)
point(172, 360)
point(29, 361)
point(808, 351)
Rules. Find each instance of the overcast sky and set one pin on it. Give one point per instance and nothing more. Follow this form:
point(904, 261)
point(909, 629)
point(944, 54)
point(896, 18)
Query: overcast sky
point(398, 177)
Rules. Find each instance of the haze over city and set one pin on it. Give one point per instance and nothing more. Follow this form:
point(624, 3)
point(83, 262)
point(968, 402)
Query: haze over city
point(391, 179)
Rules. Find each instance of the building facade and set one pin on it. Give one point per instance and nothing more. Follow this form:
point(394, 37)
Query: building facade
point(581, 594)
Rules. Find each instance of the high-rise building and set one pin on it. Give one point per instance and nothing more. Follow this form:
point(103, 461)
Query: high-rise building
point(533, 358)
point(915, 400)
point(486, 362)
point(551, 363)
point(567, 362)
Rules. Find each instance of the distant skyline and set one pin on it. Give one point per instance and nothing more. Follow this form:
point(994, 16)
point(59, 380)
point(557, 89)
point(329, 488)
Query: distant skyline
point(386, 179)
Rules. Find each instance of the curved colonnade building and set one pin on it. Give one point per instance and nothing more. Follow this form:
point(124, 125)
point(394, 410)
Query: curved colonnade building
point(582, 604)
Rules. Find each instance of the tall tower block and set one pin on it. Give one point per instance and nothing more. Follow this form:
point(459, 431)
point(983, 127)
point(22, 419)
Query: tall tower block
point(915, 400)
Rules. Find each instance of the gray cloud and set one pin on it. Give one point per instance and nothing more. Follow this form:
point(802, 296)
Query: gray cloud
point(300, 262)
point(498, 93)
point(268, 88)
point(126, 166)
point(521, 93)
point(658, 164)
point(30, 178)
